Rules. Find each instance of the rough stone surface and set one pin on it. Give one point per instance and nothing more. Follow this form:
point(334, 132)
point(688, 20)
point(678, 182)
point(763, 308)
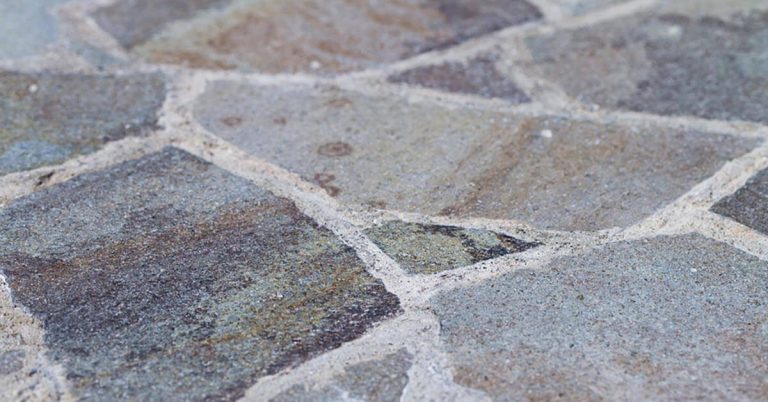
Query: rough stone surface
point(168, 278)
point(667, 63)
point(669, 318)
point(26, 27)
point(749, 205)
point(47, 118)
point(328, 36)
point(578, 7)
point(478, 76)
point(11, 361)
point(428, 249)
point(383, 152)
point(133, 22)
point(381, 380)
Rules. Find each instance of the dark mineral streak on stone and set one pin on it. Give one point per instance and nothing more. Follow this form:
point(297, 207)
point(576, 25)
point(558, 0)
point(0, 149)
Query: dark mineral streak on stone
point(428, 249)
point(47, 118)
point(381, 380)
point(133, 22)
point(669, 64)
point(478, 76)
point(553, 172)
point(328, 36)
point(668, 318)
point(748, 205)
point(168, 278)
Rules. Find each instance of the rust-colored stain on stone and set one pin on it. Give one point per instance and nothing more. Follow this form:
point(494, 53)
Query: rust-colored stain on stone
point(327, 36)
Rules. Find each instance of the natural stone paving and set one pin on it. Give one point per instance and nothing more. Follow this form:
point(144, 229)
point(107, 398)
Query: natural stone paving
point(390, 200)
point(381, 380)
point(318, 35)
point(666, 318)
point(479, 76)
point(428, 249)
point(47, 118)
point(749, 205)
point(553, 172)
point(169, 278)
point(665, 63)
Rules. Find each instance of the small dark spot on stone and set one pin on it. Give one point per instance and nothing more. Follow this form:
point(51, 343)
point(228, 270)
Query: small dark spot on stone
point(45, 178)
point(281, 121)
point(232, 121)
point(338, 103)
point(335, 149)
point(324, 180)
point(378, 204)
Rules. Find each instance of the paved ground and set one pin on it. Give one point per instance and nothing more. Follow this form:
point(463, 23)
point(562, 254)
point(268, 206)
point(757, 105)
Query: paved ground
point(342, 200)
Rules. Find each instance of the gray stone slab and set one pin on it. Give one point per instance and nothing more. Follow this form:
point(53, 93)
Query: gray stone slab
point(579, 7)
point(478, 76)
point(26, 27)
point(48, 118)
point(169, 278)
point(748, 205)
point(428, 249)
point(328, 36)
point(668, 63)
point(380, 380)
point(133, 22)
point(667, 318)
point(390, 153)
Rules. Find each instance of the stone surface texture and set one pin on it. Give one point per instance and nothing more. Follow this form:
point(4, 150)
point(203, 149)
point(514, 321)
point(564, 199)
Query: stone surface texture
point(749, 205)
point(552, 172)
point(380, 380)
point(665, 318)
point(46, 119)
point(428, 249)
point(168, 278)
point(326, 36)
point(383, 200)
point(667, 63)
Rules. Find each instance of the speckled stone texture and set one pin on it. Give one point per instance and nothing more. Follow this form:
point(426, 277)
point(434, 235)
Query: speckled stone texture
point(667, 62)
point(323, 36)
point(749, 205)
point(380, 380)
point(47, 118)
point(478, 76)
point(168, 278)
point(666, 318)
point(429, 249)
point(553, 172)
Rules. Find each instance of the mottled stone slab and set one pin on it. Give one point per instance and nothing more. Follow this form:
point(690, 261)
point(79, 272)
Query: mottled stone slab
point(418, 157)
point(668, 318)
point(326, 36)
point(26, 27)
point(168, 278)
point(380, 380)
point(748, 205)
point(478, 76)
point(47, 118)
point(428, 249)
point(667, 62)
point(133, 22)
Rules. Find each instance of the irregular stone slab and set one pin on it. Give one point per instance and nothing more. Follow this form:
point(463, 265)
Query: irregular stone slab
point(26, 27)
point(328, 36)
point(748, 205)
point(669, 318)
point(381, 380)
point(479, 76)
point(664, 63)
point(168, 278)
point(134, 22)
point(47, 118)
point(418, 157)
point(428, 249)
